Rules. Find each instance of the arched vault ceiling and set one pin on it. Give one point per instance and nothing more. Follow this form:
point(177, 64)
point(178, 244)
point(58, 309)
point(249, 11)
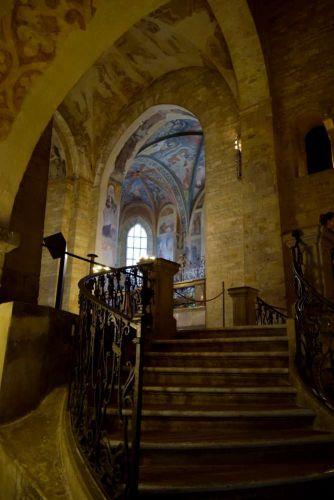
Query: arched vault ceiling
point(169, 168)
point(181, 34)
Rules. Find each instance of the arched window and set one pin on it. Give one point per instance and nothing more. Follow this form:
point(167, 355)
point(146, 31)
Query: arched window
point(318, 150)
point(136, 244)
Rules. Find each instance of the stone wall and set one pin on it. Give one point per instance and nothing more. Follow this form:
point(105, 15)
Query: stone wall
point(35, 355)
point(21, 272)
point(242, 247)
point(68, 210)
point(57, 219)
point(298, 43)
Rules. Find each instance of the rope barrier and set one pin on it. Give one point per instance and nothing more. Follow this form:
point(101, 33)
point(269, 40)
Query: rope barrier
point(199, 301)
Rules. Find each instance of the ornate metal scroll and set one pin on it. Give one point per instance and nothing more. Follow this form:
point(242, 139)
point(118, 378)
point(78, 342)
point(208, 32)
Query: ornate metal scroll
point(184, 297)
point(107, 382)
point(190, 272)
point(119, 289)
point(267, 314)
point(314, 339)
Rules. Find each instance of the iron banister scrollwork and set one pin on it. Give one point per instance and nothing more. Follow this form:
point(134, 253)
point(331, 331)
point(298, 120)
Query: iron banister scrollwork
point(314, 339)
point(267, 314)
point(107, 381)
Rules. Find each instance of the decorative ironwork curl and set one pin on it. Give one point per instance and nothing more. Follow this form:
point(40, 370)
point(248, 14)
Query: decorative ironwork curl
point(267, 314)
point(190, 272)
point(108, 375)
point(314, 339)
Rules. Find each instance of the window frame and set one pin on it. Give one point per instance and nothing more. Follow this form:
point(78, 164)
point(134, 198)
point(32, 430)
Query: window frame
point(137, 240)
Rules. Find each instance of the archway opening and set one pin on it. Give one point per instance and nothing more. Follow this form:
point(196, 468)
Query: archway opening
point(163, 160)
point(136, 244)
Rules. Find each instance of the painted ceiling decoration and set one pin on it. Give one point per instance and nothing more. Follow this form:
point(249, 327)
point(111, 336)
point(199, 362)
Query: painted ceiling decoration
point(177, 36)
point(57, 168)
point(169, 168)
point(28, 39)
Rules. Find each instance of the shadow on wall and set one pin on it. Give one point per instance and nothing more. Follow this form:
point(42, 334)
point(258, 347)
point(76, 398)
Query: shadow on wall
point(35, 355)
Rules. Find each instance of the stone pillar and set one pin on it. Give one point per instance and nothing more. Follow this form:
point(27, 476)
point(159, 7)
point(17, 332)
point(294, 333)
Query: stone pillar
point(21, 269)
point(317, 246)
point(244, 305)
point(161, 273)
point(78, 240)
point(263, 257)
point(57, 220)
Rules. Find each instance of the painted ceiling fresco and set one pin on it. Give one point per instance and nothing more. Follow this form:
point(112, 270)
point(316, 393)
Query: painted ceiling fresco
point(175, 127)
point(182, 34)
point(57, 168)
point(29, 35)
point(169, 168)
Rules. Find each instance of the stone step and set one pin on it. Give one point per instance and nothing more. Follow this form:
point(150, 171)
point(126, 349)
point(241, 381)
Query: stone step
point(214, 396)
point(273, 449)
point(240, 344)
point(289, 481)
point(264, 359)
point(215, 376)
point(233, 332)
point(200, 419)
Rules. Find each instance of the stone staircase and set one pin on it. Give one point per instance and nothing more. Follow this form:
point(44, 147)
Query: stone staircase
point(220, 420)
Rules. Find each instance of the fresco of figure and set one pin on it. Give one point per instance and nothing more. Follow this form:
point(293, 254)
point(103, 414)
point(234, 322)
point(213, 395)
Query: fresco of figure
point(165, 246)
point(181, 167)
point(57, 163)
point(109, 228)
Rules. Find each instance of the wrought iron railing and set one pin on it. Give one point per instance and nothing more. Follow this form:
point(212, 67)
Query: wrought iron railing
point(314, 338)
point(267, 314)
point(107, 382)
point(189, 293)
point(191, 272)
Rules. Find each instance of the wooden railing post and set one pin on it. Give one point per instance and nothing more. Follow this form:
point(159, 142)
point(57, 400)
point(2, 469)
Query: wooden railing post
point(161, 273)
point(244, 305)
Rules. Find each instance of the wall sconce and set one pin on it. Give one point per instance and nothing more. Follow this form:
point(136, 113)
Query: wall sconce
point(238, 159)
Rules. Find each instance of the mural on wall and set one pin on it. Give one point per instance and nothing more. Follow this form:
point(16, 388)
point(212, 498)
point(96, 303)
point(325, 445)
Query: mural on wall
point(144, 184)
point(178, 146)
point(110, 222)
point(29, 35)
point(195, 252)
point(196, 225)
point(176, 126)
point(199, 177)
point(180, 35)
point(166, 233)
point(134, 139)
point(167, 178)
point(57, 168)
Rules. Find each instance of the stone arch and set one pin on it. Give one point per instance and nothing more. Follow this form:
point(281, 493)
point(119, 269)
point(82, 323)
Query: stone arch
point(214, 106)
point(213, 89)
point(109, 23)
point(69, 63)
point(68, 142)
point(237, 24)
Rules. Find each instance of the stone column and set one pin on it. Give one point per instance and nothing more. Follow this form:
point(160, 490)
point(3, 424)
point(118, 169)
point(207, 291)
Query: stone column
point(263, 257)
point(244, 305)
point(161, 274)
point(21, 269)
